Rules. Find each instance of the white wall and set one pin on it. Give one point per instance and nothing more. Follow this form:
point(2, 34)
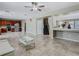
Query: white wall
point(54, 21)
point(23, 26)
point(50, 21)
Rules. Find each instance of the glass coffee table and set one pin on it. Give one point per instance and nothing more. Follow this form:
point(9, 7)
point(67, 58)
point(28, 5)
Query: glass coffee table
point(27, 41)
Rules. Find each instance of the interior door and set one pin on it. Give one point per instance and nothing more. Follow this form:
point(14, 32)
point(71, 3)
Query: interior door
point(40, 26)
point(46, 26)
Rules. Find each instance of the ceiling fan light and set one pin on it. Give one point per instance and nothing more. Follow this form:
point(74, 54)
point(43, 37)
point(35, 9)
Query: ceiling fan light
point(35, 8)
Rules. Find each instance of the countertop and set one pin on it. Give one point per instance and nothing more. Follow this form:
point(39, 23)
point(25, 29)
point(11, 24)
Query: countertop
point(60, 29)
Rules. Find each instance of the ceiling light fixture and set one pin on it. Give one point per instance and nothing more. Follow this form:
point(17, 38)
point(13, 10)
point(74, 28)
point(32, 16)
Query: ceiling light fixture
point(35, 6)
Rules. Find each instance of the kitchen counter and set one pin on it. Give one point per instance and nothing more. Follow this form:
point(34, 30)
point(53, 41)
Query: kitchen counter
point(60, 29)
point(67, 34)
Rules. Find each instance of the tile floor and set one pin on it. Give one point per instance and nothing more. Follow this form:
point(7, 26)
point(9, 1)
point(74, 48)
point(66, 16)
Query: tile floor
point(44, 46)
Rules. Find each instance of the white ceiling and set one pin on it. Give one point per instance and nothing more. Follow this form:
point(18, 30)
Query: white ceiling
point(18, 11)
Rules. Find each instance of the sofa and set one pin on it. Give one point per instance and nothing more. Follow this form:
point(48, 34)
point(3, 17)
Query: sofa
point(5, 48)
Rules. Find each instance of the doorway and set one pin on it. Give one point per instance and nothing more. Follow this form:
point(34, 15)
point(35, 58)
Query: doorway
point(46, 26)
point(25, 27)
point(39, 27)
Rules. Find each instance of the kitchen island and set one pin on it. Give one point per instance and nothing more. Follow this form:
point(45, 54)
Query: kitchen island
point(67, 34)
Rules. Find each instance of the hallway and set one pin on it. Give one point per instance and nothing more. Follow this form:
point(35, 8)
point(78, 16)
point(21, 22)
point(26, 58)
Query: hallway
point(44, 46)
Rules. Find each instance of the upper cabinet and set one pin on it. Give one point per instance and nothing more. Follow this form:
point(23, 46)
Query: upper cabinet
point(70, 16)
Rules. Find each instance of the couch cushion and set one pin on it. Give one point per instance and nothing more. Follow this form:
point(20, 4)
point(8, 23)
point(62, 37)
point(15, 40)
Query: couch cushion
point(5, 47)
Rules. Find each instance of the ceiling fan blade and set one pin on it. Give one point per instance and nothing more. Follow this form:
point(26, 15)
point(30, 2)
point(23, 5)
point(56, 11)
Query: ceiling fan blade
point(28, 6)
point(31, 10)
point(41, 6)
point(39, 9)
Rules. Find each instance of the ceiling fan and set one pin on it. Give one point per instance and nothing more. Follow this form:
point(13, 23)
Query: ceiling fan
point(35, 6)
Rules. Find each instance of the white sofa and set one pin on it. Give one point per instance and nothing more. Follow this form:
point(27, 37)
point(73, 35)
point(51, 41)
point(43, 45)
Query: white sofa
point(5, 48)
